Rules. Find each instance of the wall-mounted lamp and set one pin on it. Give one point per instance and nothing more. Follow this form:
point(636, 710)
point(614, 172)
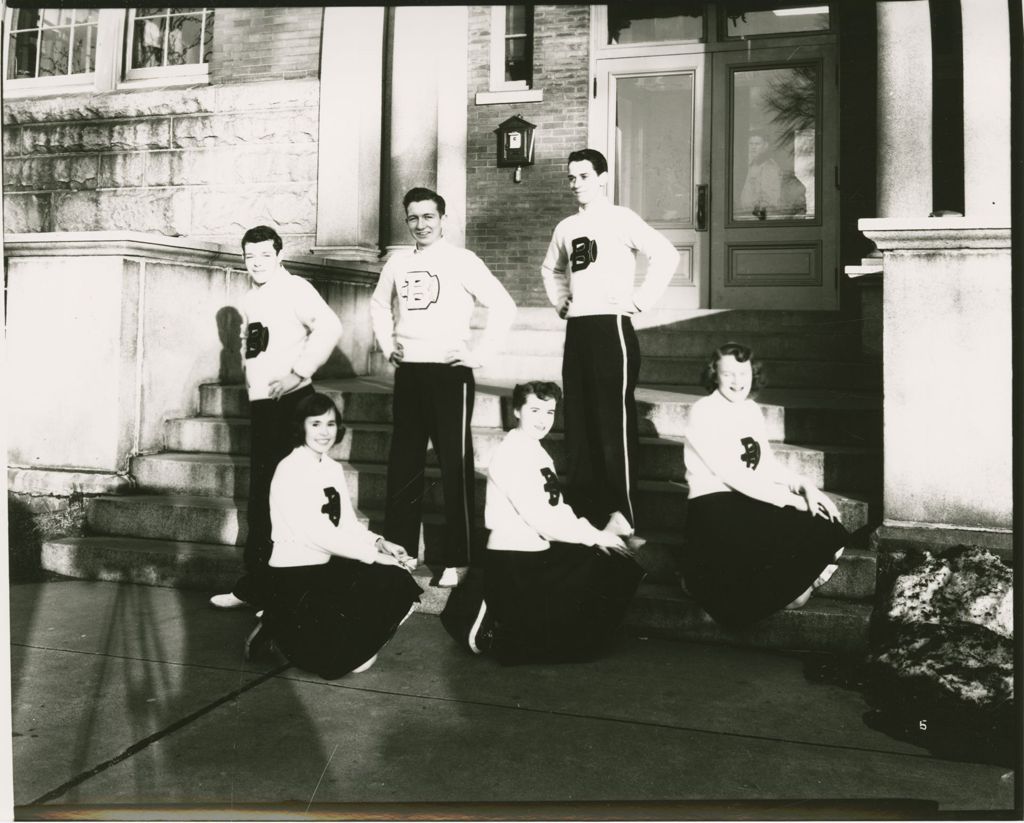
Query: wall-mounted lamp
point(515, 145)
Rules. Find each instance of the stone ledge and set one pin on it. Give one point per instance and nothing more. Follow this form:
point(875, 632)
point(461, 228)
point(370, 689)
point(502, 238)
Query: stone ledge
point(912, 233)
point(180, 249)
point(64, 483)
point(895, 536)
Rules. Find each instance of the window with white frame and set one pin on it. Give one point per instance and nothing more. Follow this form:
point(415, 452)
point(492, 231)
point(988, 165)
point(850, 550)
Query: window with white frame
point(52, 43)
point(511, 78)
point(50, 50)
point(164, 41)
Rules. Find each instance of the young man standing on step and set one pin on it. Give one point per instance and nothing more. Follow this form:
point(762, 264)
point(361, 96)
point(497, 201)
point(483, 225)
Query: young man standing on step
point(427, 340)
point(288, 332)
point(588, 274)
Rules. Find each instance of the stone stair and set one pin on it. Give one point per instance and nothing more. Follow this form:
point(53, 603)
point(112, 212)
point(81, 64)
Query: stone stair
point(186, 524)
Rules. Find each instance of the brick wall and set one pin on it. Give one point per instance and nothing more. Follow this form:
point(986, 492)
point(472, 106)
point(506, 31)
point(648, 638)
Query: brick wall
point(266, 43)
point(205, 162)
point(508, 224)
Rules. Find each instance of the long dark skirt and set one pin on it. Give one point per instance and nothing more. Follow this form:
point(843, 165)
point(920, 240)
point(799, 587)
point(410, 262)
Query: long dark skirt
point(332, 618)
point(745, 559)
point(556, 605)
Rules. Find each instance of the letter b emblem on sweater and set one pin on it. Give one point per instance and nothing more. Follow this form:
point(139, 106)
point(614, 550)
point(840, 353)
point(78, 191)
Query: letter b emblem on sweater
point(332, 508)
point(551, 486)
point(420, 290)
point(584, 252)
point(751, 452)
point(256, 340)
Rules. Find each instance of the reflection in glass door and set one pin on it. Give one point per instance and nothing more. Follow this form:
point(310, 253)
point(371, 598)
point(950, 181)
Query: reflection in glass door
point(652, 114)
point(775, 228)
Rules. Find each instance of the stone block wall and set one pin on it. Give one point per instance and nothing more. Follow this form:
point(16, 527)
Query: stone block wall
point(204, 162)
point(509, 224)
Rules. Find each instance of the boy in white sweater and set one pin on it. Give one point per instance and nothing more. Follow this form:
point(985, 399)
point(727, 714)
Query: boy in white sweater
point(588, 274)
point(434, 286)
point(288, 332)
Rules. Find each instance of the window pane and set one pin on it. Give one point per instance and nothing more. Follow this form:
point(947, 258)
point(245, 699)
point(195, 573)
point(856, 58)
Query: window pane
point(54, 52)
point(208, 39)
point(183, 45)
point(774, 121)
point(83, 56)
point(148, 43)
point(515, 20)
point(741, 21)
point(87, 15)
point(654, 153)
point(653, 21)
point(150, 12)
point(26, 19)
point(23, 55)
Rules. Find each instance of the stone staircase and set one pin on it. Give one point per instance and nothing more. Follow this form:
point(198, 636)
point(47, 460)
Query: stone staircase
point(185, 525)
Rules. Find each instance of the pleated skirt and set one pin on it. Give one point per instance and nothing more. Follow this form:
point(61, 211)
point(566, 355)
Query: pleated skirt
point(331, 618)
point(745, 559)
point(558, 605)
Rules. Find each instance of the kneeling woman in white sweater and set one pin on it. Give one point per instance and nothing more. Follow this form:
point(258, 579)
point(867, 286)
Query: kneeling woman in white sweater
point(553, 586)
point(338, 592)
point(759, 538)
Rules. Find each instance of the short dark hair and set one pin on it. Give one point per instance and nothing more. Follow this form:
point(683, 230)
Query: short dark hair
point(260, 234)
point(709, 378)
point(312, 406)
point(420, 194)
point(541, 389)
point(596, 159)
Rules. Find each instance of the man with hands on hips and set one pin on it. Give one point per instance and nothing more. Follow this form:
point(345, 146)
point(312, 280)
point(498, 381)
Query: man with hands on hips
point(426, 338)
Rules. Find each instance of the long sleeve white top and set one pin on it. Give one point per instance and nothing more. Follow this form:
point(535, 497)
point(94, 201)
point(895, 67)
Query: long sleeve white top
point(434, 288)
point(592, 258)
point(311, 514)
point(525, 509)
point(298, 328)
point(727, 448)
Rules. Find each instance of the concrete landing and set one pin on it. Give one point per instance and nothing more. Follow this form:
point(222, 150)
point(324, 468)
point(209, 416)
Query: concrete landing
point(137, 697)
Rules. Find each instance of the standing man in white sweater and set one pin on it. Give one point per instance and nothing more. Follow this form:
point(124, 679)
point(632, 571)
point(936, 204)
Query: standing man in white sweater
point(427, 340)
point(288, 332)
point(588, 274)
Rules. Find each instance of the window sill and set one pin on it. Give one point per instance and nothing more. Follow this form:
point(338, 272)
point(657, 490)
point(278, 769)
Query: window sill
point(486, 98)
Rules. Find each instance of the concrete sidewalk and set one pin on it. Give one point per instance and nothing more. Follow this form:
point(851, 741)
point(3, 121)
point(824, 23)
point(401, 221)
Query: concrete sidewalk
point(130, 696)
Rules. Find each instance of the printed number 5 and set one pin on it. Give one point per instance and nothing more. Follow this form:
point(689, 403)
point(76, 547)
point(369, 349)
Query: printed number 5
point(922, 725)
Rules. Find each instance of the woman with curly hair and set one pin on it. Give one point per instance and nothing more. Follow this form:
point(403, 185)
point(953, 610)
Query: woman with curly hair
point(759, 538)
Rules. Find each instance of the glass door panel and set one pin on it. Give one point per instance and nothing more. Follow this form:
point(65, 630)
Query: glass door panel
point(775, 120)
point(649, 120)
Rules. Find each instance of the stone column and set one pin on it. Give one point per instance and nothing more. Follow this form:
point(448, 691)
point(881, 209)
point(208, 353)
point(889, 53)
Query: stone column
point(986, 38)
point(351, 94)
point(904, 108)
point(428, 114)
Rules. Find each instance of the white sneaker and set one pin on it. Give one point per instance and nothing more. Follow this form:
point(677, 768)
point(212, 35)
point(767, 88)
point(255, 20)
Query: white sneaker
point(227, 601)
point(450, 577)
point(365, 665)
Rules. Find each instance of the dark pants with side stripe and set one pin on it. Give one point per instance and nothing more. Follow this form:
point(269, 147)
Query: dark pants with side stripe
point(600, 368)
point(434, 402)
point(269, 443)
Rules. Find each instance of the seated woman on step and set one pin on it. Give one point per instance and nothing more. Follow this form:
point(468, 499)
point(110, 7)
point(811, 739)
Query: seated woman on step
point(337, 591)
point(553, 587)
point(758, 537)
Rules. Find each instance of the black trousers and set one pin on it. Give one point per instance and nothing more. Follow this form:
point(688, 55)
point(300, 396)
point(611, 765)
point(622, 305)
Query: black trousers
point(432, 401)
point(269, 443)
point(600, 368)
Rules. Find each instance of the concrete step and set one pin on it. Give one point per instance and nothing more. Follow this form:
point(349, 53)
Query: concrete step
point(221, 520)
point(659, 503)
point(842, 417)
point(841, 467)
point(808, 343)
point(659, 609)
point(823, 624)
